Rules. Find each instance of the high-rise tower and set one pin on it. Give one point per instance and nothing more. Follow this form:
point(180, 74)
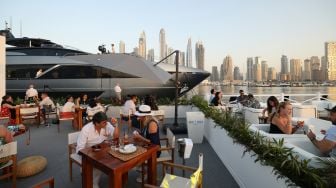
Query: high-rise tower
point(121, 47)
point(163, 45)
point(295, 69)
point(330, 54)
point(228, 68)
point(199, 53)
point(249, 72)
point(142, 45)
point(189, 53)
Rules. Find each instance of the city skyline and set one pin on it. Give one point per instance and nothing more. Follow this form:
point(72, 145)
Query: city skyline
point(297, 29)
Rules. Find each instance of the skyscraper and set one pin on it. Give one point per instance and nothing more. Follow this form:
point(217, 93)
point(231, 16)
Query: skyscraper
point(324, 68)
point(214, 74)
point(150, 55)
point(257, 69)
point(236, 73)
point(330, 54)
point(228, 68)
point(171, 59)
point(264, 70)
point(284, 68)
point(121, 47)
point(295, 69)
point(315, 68)
point(189, 53)
point(199, 53)
point(307, 70)
point(142, 45)
point(271, 73)
point(249, 72)
point(182, 59)
point(163, 45)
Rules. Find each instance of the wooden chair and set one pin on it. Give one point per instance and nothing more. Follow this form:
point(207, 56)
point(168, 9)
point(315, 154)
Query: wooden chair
point(30, 113)
point(60, 118)
point(73, 156)
point(49, 181)
point(48, 111)
point(8, 154)
point(128, 122)
point(195, 180)
point(168, 150)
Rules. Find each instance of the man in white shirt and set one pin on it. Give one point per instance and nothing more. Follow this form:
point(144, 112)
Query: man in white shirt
point(328, 144)
point(94, 133)
point(46, 103)
point(31, 93)
point(117, 91)
point(129, 107)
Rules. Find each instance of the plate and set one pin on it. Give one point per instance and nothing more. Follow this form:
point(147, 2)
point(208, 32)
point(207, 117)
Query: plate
point(128, 151)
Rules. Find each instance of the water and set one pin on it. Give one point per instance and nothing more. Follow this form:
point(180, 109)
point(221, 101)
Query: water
point(204, 90)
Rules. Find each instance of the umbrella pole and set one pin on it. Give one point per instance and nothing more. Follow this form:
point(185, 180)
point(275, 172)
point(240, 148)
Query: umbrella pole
point(176, 87)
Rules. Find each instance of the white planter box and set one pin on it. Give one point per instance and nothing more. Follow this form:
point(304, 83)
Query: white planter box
point(245, 171)
point(195, 125)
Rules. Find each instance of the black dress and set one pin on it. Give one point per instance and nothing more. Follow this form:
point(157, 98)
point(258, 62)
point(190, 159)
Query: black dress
point(273, 128)
point(153, 137)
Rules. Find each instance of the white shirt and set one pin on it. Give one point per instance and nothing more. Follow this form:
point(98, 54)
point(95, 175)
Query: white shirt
point(89, 136)
point(129, 105)
point(68, 107)
point(331, 136)
point(47, 101)
point(92, 111)
point(117, 89)
point(31, 92)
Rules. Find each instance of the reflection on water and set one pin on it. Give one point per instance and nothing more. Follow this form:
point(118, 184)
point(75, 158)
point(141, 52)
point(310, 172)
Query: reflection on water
point(233, 90)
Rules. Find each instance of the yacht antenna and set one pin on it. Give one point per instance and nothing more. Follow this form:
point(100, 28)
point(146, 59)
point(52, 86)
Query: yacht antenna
point(10, 24)
point(6, 23)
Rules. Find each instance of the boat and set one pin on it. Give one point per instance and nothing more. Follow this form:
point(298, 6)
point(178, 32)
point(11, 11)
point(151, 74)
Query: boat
point(61, 70)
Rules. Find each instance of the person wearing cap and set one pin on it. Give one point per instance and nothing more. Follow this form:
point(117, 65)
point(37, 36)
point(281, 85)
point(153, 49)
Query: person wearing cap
point(328, 143)
point(150, 131)
point(94, 133)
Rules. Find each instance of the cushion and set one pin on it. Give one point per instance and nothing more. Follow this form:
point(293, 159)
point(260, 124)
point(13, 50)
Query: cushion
point(31, 165)
point(175, 181)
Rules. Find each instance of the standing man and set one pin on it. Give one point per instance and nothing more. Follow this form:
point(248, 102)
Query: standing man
point(328, 144)
point(31, 93)
point(117, 91)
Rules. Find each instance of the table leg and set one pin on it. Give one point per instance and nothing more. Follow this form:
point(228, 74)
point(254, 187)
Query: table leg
point(115, 180)
point(87, 176)
point(151, 168)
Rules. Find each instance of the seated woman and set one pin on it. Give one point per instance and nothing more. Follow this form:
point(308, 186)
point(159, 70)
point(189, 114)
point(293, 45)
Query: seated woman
point(8, 109)
point(150, 132)
point(217, 100)
point(281, 121)
point(272, 105)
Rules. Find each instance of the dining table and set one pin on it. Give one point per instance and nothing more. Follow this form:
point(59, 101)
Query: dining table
point(116, 168)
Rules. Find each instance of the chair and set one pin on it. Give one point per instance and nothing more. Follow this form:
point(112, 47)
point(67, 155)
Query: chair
point(73, 156)
point(8, 154)
point(48, 111)
point(60, 118)
point(122, 121)
point(167, 151)
point(195, 180)
point(30, 113)
point(49, 181)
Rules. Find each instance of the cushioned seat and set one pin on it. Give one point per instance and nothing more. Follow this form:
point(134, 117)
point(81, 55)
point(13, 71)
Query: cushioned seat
point(31, 165)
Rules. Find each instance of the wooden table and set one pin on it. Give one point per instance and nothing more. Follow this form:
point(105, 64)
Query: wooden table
point(114, 167)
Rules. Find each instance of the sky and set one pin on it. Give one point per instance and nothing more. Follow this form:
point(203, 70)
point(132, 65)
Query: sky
point(239, 28)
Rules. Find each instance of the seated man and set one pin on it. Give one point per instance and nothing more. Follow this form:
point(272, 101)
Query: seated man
point(242, 99)
point(31, 93)
point(328, 143)
point(46, 101)
point(94, 133)
point(129, 106)
point(252, 102)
